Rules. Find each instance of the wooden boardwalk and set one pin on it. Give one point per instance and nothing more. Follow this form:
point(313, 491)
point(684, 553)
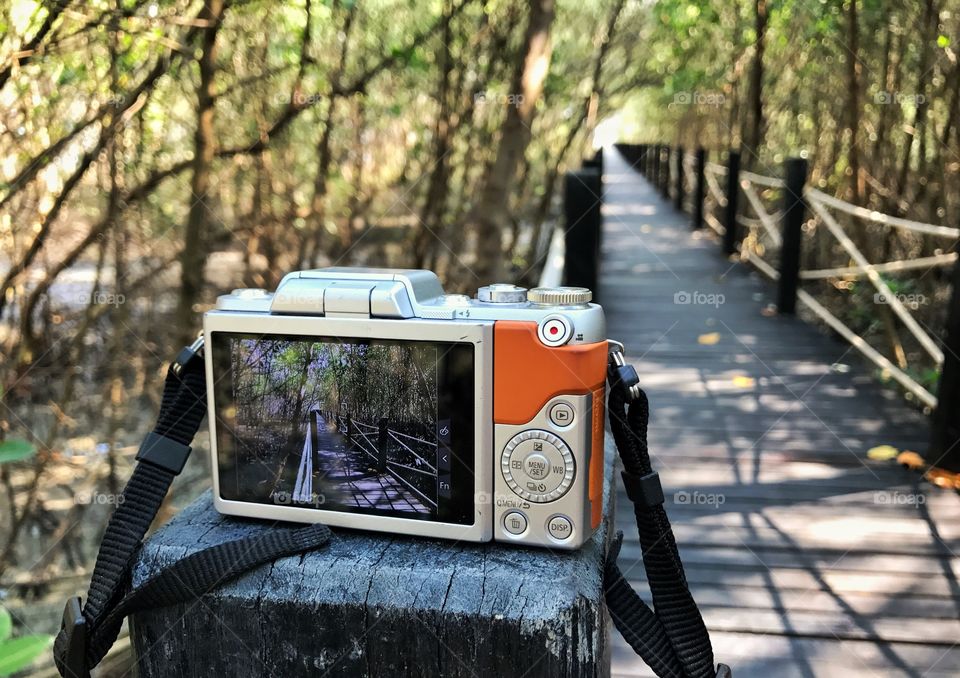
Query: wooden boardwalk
point(807, 558)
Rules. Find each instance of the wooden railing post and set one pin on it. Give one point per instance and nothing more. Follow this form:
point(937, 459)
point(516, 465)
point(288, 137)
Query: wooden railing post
point(699, 187)
point(678, 183)
point(794, 213)
point(642, 159)
point(655, 167)
point(665, 178)
point(349, 427)
point(383, 442)
point(731, 235)
point(581, 207)
point(945, 422)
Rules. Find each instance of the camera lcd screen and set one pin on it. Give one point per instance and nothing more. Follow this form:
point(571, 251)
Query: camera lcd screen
point(373, 426)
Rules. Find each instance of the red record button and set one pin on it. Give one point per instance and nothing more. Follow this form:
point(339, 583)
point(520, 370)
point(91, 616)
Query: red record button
point(555, 330)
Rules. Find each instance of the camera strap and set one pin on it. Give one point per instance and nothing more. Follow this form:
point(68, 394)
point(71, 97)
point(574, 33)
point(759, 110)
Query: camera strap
point(89, 629)
point(672, 638)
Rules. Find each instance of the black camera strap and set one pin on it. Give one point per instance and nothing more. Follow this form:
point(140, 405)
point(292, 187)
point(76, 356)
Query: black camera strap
point(672, 640)
point(88, 630)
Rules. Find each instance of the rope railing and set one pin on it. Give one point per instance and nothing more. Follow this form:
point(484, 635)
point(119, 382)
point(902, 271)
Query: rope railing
point(760, 240)
point(813, 194)
point(793, 234)
point(367, 438)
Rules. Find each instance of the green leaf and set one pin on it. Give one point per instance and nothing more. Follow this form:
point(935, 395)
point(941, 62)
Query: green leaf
point(20, 652)
point(943, 41)
point(6, 624)
point(15, 450)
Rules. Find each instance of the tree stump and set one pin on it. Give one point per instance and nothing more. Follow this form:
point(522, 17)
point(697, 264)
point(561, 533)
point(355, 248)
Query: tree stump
point(374, 605)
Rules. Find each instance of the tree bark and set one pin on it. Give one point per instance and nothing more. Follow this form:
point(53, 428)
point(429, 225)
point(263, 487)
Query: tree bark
point(490, 215)
point(435, 200)
point(591, 104)
point(194, 254)
point(756, 83)
point(853, 100)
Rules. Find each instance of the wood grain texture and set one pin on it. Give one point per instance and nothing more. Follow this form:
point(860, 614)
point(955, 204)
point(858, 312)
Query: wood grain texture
point(372, 605)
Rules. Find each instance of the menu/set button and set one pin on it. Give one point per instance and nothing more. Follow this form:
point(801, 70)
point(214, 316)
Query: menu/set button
point(536, 466)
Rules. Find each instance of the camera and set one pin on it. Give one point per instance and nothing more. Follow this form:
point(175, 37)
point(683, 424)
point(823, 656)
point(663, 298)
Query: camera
point(370, 399)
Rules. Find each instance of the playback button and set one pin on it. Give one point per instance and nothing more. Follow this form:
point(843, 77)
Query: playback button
point(561, 415)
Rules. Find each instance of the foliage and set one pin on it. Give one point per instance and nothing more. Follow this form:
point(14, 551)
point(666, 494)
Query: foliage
point(18, 653)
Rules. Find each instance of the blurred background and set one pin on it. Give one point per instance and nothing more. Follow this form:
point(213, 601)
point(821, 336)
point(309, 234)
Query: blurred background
point(156, 154)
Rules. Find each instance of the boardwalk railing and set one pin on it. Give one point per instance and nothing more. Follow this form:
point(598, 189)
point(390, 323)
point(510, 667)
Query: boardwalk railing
point(793, 233)
point(405, 457)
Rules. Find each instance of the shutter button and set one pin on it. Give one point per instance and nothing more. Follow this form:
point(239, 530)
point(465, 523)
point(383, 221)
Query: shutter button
point(555, 330)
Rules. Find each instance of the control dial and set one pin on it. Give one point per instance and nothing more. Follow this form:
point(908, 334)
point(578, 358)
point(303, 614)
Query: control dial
point(538, 466)
point(502, 293)
point(560, 296)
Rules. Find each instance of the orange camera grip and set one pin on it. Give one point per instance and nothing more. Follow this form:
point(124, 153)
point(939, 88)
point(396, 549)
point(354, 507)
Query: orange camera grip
point(526, 374)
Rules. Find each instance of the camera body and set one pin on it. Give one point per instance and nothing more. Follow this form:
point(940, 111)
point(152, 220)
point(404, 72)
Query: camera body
point(369, 399)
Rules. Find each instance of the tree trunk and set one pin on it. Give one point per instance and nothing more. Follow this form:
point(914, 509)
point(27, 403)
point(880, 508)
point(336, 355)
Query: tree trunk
point(590, 108)
point(853, 100)
point(490, 215)
point(928, 36)
point(756, 83)
point(325, 156)
point(194, 254)
point(435, 200)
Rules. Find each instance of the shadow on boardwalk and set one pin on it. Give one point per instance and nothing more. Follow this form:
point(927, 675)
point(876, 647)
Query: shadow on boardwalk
point(807, 558)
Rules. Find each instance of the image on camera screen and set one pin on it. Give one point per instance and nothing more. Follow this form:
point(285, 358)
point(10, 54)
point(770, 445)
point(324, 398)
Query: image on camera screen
point(364, 426)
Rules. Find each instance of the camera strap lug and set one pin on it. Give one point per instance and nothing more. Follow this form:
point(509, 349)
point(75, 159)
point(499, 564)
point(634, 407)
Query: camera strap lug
point(74, 630)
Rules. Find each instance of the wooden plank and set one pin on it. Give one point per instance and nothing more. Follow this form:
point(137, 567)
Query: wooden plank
point(768, 655)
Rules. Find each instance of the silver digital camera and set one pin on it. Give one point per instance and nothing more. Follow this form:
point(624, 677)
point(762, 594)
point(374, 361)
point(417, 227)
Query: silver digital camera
point(368, 398)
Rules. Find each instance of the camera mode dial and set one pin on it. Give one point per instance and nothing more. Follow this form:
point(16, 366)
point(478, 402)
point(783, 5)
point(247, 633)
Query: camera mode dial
point(560, 296)
point(538, 466)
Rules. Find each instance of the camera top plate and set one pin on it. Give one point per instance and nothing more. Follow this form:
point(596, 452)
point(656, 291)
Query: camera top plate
point(407, 294)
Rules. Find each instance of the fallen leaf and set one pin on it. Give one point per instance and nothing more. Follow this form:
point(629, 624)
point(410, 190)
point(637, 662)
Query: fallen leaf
point(942, 478)
point(709, 339)
point(882, 452)
point(741, 381)
point(910, 459)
